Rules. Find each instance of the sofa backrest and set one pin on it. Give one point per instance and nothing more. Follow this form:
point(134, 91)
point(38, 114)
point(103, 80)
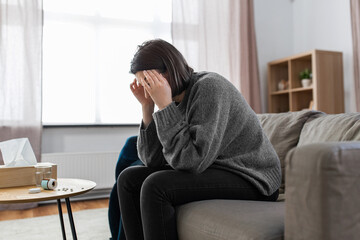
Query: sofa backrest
point(283, 131)
point(331, 127)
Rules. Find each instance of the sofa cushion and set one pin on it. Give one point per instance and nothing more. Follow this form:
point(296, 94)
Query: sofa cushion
point(331, 127)
point(230, 219)
point(283, 131)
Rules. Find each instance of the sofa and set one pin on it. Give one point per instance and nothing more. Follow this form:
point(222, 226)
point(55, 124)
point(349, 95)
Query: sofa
point(320, 194)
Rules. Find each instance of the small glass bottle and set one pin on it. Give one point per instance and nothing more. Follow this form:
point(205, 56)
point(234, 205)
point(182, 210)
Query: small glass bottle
point(42, 172)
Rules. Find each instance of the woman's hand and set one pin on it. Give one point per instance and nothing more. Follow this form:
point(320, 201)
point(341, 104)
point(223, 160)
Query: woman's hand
point(145, 100)
point(158, 88)
point(141, 94)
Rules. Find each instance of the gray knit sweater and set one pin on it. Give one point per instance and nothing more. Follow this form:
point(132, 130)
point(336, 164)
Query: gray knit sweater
point(212, 126)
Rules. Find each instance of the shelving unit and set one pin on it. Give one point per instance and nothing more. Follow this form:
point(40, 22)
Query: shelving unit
point(326, 91)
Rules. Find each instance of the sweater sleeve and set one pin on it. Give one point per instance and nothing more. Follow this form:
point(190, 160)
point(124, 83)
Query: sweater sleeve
point(149, 146)
point(192, 143)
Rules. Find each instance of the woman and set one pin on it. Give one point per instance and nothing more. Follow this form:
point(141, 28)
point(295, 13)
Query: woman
point(204, 142)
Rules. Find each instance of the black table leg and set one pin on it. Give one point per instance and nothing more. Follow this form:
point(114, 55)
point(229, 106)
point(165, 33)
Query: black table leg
point(73, 231)
point(61, 219)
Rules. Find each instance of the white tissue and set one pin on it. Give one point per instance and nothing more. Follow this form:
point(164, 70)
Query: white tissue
point(17, 153)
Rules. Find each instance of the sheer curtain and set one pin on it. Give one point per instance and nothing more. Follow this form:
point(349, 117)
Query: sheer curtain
point(20, 71)
point(355, 22)
point(219, 36)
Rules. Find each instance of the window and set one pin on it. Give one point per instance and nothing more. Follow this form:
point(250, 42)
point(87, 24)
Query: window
point(87, 49)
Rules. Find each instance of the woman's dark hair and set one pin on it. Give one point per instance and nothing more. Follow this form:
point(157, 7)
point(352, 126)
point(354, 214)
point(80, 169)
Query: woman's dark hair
point(161, 55)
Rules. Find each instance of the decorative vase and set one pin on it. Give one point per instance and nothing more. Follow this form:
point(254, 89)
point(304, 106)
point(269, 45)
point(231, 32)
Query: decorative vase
point(306, 82)
point(282, 85)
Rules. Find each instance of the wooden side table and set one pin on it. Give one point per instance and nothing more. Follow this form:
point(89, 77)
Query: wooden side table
point(66, 188)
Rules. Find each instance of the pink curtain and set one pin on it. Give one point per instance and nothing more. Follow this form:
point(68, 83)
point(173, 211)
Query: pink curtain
point(355, 23)
point(249, 71)
point(20, 74)
point(219, 36)
point(20, 71)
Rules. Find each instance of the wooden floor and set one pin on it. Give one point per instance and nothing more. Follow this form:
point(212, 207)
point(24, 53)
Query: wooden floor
point(50, 209)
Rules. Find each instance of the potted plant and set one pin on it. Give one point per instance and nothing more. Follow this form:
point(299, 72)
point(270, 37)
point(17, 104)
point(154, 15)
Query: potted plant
point(305, 77)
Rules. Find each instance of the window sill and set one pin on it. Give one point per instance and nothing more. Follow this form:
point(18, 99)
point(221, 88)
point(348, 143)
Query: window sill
point(88, 125)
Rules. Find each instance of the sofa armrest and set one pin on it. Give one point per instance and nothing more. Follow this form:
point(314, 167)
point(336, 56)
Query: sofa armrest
point(323, 191)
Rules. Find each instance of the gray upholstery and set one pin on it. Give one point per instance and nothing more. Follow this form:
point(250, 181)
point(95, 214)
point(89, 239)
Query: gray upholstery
point(323, 192)
point(283, 131)
point(332, 127)
point(230, 219)
point(322, 186)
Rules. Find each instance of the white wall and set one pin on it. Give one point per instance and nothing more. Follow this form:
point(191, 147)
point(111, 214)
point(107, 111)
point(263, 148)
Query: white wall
point(85, 139)
point(326, 25)
point(274, 36)
point(287, 27)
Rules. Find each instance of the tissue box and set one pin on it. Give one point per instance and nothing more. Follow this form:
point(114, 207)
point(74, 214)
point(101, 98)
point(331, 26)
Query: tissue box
point(21, 176)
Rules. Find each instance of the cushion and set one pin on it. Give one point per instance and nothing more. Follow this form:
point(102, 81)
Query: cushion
point(283, 131)
point(331, 127)
point(231, 219)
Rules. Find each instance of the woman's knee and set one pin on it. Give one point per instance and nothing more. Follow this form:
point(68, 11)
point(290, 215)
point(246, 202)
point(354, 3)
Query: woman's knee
point(132, 177)
point(157, 184)
point(126, 176)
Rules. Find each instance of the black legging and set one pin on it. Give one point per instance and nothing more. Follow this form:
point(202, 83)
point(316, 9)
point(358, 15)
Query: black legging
point(148, 197)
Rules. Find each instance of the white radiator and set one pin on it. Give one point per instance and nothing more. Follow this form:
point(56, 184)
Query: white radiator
point(95, 166)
